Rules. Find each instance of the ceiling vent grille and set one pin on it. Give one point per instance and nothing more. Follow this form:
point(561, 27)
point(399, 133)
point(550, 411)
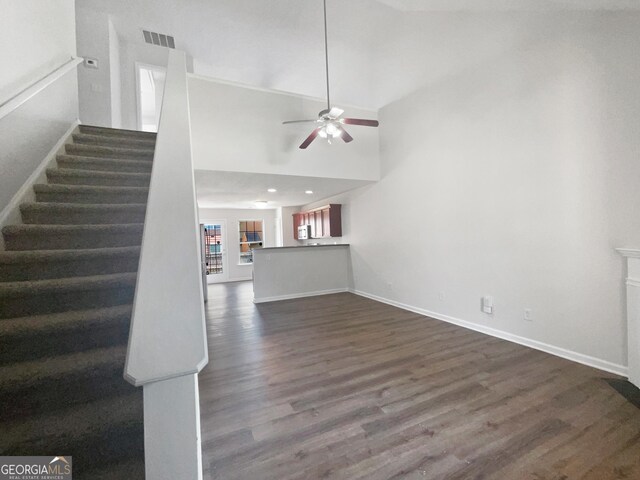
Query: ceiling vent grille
point(159, 39)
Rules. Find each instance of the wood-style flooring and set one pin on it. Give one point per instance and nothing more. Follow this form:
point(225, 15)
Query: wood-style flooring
point(342, 387)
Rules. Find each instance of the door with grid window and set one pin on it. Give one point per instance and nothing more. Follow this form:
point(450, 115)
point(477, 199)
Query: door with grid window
point(215, 254)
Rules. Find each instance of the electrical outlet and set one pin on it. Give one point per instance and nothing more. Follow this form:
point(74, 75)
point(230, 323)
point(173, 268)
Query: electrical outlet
point(441, 296)
point(528, 315)
point(487, 304)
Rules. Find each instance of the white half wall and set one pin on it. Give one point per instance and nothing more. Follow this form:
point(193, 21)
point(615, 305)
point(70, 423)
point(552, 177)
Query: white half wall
point(240, 129)
point(515, 177)
point(283, 273)
point(233, 216)
point(36, 38)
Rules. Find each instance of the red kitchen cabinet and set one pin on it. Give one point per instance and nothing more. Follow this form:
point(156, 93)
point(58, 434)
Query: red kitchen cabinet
point(325, 221)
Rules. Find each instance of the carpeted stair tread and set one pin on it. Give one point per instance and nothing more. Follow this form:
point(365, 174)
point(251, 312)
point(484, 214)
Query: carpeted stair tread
point(103, 164)
point(18, 299)
point(34, 372)
point(118, 132)
point(63, 237)
point(78, 214)
point(63, 333)
point(69, 176)
point(95, 434)
point(109, 152)
point(113, 140)
point(132, 470)
point(59, 285)
point(20, 265)
point(67, 285)
point(90, 194)
point(52, 322)
point(61, 381)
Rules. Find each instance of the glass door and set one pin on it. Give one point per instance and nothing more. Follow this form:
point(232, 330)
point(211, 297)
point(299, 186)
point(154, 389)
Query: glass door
point(215, 255)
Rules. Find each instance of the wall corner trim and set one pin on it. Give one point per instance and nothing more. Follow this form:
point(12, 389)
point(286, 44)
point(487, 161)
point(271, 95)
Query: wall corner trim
point(527, 342)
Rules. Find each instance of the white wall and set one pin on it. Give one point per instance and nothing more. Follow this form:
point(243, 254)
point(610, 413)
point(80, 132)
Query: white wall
point(115, 76)
point(233, 217)
point(240, 129)
point(287, 226)
point(36, 37)
point(514, 178)
point(94, 85)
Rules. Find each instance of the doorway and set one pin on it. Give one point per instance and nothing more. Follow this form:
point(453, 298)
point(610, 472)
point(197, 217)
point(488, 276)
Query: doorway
point(150, 89)
point(215, 252)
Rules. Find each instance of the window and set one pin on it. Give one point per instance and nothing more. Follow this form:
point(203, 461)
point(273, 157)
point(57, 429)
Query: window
point(250, 239)
point(212, 249)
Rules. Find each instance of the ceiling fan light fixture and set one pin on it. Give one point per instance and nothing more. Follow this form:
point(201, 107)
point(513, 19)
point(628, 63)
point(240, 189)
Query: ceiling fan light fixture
point(329, 124)
point(333, 130)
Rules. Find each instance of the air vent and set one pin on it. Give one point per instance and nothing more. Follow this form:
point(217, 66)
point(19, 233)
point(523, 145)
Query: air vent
point(159, 39)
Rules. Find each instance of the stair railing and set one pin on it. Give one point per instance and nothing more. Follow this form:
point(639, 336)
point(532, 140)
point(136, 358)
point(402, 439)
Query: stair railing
point(167, 341)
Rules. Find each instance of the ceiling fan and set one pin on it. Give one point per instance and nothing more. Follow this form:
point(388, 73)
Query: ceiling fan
point(330, 125)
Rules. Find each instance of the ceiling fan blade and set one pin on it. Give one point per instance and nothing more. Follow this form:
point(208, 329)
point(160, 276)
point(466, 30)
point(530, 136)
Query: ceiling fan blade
point(345, 136)
point(359, 121)
point(300, 121)
point(335, 112)
point(309, 139)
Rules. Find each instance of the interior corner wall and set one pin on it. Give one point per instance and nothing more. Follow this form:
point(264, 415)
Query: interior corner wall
point(515, 177)
point(287, 226)
point(94, 84)
point(233, 216)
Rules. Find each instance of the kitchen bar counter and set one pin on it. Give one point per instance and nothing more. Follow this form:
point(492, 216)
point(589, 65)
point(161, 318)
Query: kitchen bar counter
point(305, 246)
point(280, 273)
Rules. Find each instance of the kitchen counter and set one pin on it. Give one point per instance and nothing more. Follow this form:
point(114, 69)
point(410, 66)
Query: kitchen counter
point(281, 273)
point(304, 246)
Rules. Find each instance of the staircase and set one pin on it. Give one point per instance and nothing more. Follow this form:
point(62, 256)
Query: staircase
point(67, 280)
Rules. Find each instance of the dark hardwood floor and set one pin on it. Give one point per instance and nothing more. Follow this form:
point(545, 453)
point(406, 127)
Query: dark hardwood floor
point(343, 387)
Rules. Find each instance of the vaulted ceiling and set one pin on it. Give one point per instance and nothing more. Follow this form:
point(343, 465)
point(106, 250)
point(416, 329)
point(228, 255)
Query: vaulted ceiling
point(379, 50)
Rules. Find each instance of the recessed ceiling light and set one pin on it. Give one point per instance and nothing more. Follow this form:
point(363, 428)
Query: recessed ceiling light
point(271, 190)
point(261, 203)
point(309, 192)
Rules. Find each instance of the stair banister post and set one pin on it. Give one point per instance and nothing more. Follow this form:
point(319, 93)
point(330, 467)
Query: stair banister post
point(167, 341)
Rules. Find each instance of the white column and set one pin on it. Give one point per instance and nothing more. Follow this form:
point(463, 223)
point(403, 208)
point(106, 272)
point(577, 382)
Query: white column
point(633, 313)
point(172, 429)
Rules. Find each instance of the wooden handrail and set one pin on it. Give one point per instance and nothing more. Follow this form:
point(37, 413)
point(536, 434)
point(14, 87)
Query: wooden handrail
point(22, 97)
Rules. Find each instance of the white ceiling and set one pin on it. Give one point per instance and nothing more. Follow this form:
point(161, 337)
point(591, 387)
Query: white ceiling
point(240, 190)
point(507, 5)
point(380, 51)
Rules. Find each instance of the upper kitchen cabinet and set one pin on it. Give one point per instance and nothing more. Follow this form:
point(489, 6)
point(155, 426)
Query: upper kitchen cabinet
point(323, 222)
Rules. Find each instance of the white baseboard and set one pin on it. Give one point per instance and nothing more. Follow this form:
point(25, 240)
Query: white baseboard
point(527, 342)
point(10, 215)
point(299, 295)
